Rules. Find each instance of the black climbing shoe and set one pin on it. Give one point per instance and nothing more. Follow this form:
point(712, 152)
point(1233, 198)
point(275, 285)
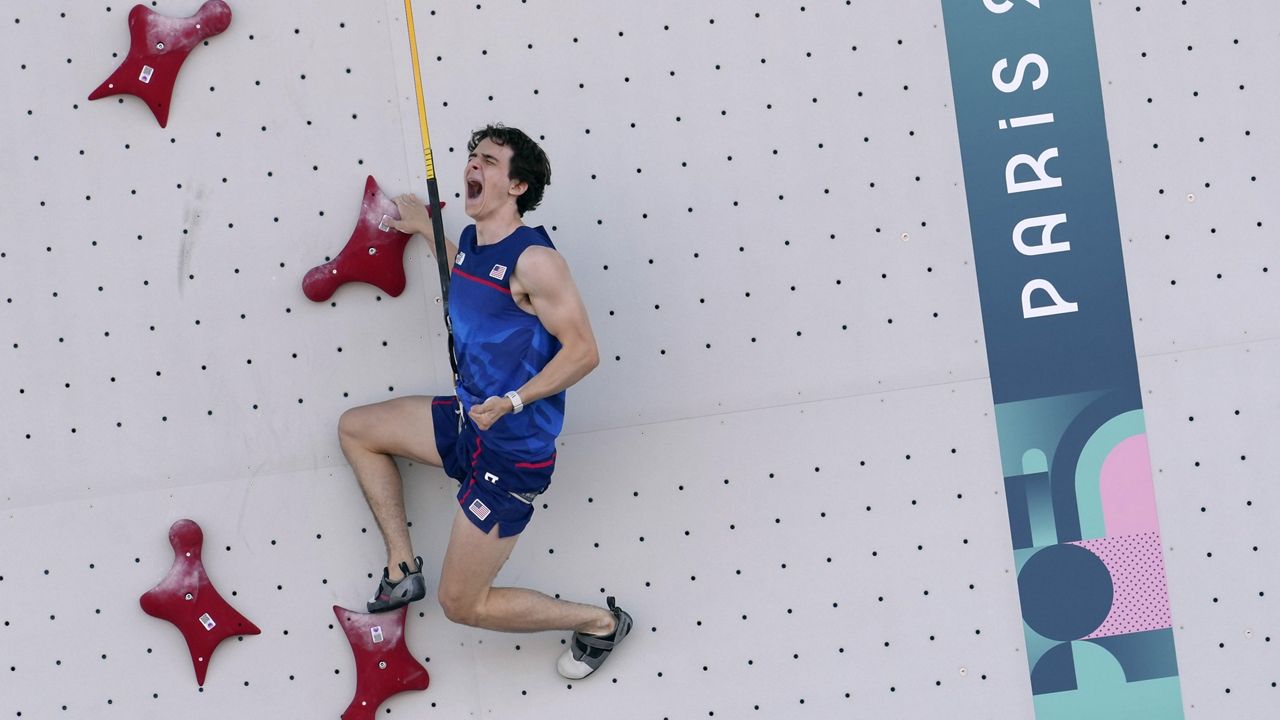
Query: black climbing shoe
point(390, 596)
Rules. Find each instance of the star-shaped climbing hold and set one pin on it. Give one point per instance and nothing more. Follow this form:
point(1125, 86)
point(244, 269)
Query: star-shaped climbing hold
point(186, 598)
point(157, 47)
point(374, 254)
point(384, 666)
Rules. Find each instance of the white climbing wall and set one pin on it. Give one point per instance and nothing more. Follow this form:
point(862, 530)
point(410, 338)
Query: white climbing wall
point(786, 465)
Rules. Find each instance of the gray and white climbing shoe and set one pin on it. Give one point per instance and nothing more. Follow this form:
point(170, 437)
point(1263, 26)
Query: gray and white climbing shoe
point(586, 653)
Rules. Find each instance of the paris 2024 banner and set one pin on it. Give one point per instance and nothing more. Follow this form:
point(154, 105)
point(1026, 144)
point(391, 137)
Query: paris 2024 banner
point(1055, 310)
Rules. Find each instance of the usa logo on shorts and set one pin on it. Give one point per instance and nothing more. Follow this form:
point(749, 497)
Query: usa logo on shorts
point(498, 272)
point(479, 509)
point(461, 256)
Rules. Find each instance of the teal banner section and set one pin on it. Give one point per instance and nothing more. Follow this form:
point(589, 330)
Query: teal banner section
point(1055, 310)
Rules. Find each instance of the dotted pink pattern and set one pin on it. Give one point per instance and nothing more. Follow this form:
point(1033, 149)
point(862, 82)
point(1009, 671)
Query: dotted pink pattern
point(1141, 599)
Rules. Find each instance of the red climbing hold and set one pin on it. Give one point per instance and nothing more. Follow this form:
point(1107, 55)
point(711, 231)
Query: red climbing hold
point(157, 47)
point(384, 666)
point(374, 254)
point(186, 598)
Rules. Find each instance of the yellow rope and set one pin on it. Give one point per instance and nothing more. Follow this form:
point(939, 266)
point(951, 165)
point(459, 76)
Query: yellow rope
point(417, 81)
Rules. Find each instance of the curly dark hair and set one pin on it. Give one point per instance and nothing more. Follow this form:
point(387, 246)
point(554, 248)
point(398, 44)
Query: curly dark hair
point(529, 164)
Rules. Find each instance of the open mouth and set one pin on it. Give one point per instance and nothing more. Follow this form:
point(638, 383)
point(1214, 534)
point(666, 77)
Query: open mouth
point(474, 188)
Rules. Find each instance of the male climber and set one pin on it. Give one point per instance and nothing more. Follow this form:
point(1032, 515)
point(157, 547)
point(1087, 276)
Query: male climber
point(522, 337)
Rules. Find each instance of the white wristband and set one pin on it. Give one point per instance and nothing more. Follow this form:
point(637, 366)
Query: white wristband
point(516, 403)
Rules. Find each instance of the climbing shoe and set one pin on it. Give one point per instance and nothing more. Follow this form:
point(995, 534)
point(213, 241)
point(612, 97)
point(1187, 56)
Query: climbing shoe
point(392, 595)
point(586, 653)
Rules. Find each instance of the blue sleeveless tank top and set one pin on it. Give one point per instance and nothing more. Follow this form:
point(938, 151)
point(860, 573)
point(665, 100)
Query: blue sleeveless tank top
point(499, 346)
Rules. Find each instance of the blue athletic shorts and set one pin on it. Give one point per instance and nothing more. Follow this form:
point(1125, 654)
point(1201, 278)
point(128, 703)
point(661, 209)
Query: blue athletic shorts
point(494, 490)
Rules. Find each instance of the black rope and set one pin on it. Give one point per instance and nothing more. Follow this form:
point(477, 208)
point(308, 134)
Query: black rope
point(437, 226)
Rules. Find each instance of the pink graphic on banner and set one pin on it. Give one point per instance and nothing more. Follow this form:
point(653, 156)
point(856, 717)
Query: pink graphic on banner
point(1141, 598)
point(1128, 495)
